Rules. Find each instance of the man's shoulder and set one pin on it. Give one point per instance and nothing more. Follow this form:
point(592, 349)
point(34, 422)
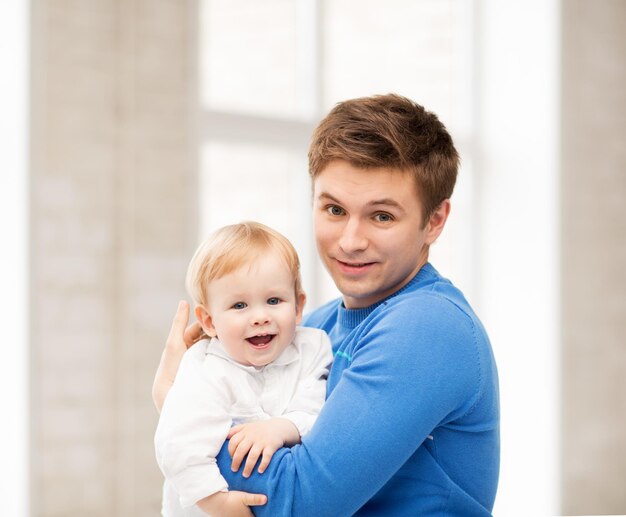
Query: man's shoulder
point(438, 296)
point(433, 312)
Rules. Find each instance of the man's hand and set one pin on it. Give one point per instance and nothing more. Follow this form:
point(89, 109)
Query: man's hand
point(261, 438)
point(181, 337)
point(231, 504)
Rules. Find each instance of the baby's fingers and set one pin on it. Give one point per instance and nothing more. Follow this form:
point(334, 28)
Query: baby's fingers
point(234, 430)
point(253, 456)
point(268, 452)
point(239, 454)
point(234, 443)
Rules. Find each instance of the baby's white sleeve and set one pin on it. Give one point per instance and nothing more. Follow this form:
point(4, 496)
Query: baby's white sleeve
point(193, 425)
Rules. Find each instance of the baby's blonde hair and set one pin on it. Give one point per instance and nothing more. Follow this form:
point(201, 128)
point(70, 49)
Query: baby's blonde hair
point(232, 247)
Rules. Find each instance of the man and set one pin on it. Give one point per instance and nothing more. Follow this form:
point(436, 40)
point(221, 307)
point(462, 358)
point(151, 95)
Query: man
point(411, 422)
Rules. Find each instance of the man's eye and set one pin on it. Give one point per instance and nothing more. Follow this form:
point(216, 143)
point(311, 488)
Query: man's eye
point(273, 301)
point(335, 210)
point(240, 305)
point(383, 217)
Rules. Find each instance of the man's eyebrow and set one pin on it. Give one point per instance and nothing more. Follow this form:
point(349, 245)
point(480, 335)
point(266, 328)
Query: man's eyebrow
point(386, 202)
point(326, 195)
point(376, 202)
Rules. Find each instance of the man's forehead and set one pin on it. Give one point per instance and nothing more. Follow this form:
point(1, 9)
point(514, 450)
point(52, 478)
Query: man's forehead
point(379, 185)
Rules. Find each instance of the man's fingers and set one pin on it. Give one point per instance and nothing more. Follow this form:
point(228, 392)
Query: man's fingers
point(254, 499)
point(190, 334)
point(193, 333)
point(180, 322)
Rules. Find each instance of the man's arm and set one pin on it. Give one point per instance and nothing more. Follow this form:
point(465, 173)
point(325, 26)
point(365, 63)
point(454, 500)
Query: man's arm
point(179, 340)
point(399, 386)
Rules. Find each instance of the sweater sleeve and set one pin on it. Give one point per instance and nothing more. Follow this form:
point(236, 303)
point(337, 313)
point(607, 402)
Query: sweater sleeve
point(192, 427)
point(311, 389)
point(414, 368)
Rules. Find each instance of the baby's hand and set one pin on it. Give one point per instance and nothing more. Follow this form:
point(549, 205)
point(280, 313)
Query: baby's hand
point(261, 438)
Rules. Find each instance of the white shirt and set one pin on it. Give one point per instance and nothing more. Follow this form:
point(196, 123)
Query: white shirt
point(212, 392)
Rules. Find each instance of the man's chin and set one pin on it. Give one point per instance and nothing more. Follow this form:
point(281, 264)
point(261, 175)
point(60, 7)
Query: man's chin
point(357, 299)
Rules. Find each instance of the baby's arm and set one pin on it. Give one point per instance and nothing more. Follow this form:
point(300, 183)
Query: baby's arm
point(265, 437)
point(193, 425)
point(310, 394)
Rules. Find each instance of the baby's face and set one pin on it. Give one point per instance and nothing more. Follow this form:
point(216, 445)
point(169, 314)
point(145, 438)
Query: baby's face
point(254, 310)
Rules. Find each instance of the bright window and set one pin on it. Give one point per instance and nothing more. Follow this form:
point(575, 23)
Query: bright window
point(270, 70)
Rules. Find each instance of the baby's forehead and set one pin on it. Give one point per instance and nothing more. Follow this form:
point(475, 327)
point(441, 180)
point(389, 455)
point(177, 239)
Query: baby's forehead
point(258, 266)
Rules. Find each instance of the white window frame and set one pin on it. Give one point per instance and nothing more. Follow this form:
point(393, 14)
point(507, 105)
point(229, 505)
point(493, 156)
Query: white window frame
point(14, 392)
point(290, 134)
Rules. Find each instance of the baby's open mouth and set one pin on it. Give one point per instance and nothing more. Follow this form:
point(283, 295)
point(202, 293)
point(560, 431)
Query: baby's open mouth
point(260, 340)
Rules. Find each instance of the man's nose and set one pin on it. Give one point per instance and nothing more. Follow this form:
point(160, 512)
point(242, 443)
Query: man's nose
point(352, 237)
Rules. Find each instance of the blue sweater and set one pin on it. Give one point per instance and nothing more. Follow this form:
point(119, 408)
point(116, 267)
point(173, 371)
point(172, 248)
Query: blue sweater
point(411, 422)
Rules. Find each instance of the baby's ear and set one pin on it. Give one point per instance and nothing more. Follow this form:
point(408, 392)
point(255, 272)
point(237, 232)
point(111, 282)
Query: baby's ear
point(205, 320)
point(300, 301)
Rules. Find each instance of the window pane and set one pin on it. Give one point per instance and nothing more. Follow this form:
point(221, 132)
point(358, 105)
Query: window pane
point(248, 56)
point(453, 252)
point(412, 47)
point(267, 184)
point(420, 49)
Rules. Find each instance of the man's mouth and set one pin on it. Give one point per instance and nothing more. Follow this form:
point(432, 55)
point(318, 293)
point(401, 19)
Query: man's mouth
point(260, 341)
point(354, 266)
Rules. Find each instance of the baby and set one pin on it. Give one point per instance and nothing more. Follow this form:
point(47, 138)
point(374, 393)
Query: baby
point(257, 366)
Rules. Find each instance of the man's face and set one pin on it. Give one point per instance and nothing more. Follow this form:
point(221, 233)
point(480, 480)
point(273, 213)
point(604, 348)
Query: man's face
point(368, 229)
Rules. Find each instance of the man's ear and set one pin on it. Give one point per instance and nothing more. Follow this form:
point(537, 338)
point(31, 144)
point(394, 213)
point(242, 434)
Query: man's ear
point(300, 301)
point(437, 221)
point(205, 320)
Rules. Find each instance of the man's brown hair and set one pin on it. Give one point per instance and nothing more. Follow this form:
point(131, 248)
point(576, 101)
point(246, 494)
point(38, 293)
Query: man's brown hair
point(389, 131)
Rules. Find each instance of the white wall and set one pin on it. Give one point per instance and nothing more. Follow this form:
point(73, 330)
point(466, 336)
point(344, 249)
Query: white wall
point(593, 286)
point(517, 204)
point(113, 224)
point(13, 258)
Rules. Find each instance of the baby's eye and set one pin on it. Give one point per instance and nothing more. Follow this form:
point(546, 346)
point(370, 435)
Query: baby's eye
point(240, 305)
point(273, 301)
